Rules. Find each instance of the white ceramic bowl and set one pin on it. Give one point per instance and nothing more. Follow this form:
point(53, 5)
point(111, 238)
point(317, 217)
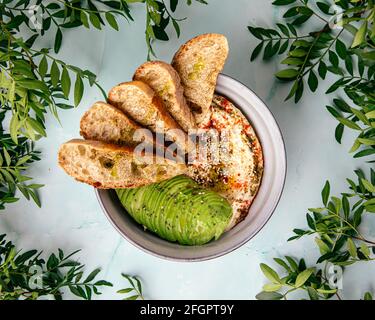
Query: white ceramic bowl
point(261, 209)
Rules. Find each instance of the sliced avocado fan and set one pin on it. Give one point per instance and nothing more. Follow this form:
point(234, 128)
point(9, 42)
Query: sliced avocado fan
point(178, 210)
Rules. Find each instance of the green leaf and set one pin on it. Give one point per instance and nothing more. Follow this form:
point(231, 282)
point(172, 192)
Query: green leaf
point(272, 287)
point(325, 193)
point(368, 296)
point(92, 275)
point(341, 49)
point(313, 81)
point(346, 206)
point(292, 61)
point(78, 90)
point(367, 142)
point(339, 132)
point(349, 64)
point(333, 59)
point(14, 127)
point(370, 115)
point(348, 123)
point(352, 248)
point(33, 85)
point(65, 82)
point(269, 296)
point(368, 185)
point(364, 153)
point(173, 5)
point(84, 19)
point(287, 74)
point(365, 250)
point(103, 283)
point(111, 20)
point(360, 36)
point(269, 273)
point(58, 40)
point(257, 51)
point(361, 116)
point(55, 74)
point(176, 28)
point(327, 291)
point(303, 277)
point(323, 247)
point(95, 20)
point(43, 66)
point(312, 293)
point(342, 105)
point(298, 53)
point(322, 70)
point(292, 263)
point(7, 158)
point(37, 126)
point(283, 2)
point(123, 291)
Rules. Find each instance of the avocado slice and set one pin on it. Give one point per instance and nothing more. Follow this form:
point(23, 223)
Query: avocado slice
point(178, 210)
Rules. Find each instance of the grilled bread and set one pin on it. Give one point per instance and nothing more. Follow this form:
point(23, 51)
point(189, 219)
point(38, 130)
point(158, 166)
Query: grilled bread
point(107, 166)
point(199, 62)
point(140, 102)
point(103, 122)
point(166, 82)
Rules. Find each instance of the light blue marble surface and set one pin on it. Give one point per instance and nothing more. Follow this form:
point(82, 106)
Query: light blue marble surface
point(71, 218)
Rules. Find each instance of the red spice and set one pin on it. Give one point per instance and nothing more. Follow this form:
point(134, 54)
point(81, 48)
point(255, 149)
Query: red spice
point(226, 105)
point(207, 125)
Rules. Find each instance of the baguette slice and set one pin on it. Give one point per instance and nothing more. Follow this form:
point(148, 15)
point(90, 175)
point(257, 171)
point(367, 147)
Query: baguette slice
point(199, 62)
point(107, 166)
point(166, 82)
point(103, 122)
point(140, 103)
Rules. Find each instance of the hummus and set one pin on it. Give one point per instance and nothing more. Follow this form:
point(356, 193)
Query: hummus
point(232, 163)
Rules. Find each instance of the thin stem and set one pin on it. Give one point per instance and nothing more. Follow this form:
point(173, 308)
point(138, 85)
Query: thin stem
point(314, 13)
point(288, 38)
point(170, 15)
point(307, 56)
point(364, 240)
point(323, 55)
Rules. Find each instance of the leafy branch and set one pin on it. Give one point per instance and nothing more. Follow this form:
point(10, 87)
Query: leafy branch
point(337, 223)
point(326, 49)
point(298, 277)
point(33, 81)
point(158, 17)
point(135, 288)
point(336, 226)
point(25, 275)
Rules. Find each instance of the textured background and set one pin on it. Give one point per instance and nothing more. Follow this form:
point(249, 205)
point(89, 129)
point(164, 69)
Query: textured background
point(71, 218)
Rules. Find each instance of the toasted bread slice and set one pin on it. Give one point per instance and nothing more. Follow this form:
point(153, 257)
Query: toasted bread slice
point(199, 62)
point(103, 122)
point(107, 166)
point(140, 103)
point(166, 82)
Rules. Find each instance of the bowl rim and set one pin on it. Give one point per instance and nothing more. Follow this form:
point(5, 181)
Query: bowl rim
point(221, 253)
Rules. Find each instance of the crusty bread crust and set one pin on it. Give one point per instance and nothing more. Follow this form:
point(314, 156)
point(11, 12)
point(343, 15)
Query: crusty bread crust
point(130, 97)
point(108, 166)
point(199, 62)
point(106, 123)
point(117, 97)
point(166, 83)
